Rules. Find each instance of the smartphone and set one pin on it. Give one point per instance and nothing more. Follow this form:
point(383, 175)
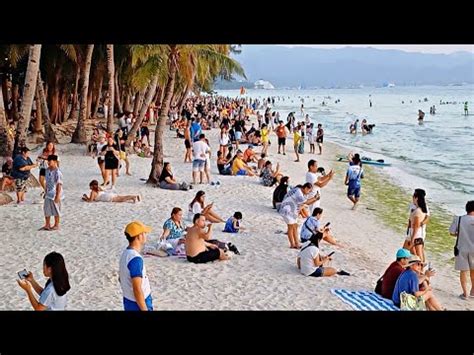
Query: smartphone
point(331, 253)
point(22, 274)
point(327, 224)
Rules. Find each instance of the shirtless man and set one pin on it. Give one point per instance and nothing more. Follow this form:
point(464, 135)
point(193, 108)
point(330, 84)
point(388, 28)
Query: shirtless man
point(198, 250)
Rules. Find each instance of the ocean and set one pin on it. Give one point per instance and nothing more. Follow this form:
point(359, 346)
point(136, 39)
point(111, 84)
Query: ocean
point(437, 156)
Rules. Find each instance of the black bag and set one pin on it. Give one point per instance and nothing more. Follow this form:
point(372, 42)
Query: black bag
point(456, 250)
point(378, 286)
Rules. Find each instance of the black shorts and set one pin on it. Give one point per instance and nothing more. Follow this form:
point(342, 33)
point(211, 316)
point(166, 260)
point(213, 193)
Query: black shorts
point(205, 256)
point(419, 241)
point(111, 164)
point(42, 172)
point(281, 141)
point(187, 143)
point(319, 140)
point(144, 131)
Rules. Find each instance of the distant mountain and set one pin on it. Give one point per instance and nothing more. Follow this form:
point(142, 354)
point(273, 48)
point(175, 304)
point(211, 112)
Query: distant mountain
point(349, 66)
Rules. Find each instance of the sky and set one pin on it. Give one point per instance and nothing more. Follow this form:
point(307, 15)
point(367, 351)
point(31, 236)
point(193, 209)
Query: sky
point(446, 49)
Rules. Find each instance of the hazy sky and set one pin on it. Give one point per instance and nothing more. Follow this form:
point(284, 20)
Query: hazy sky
point(448, 48)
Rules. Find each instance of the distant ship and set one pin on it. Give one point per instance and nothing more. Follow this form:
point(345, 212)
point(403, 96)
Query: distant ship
point(388, 85)
point(263, 84)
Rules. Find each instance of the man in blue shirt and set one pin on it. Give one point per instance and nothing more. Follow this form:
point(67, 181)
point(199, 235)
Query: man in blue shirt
point(408, 282)
point(196, 130)
point(22, 165)
point(353, 176)
point(132, 273)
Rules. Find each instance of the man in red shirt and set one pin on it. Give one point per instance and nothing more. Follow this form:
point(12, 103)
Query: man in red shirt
point(392, 273)
point(281, 133)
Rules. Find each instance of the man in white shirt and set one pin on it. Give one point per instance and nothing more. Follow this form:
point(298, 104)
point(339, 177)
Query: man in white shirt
point(317, 180)
point(200, 149)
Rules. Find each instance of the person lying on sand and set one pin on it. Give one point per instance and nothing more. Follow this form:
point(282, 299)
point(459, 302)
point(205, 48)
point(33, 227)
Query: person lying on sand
point(99, 195)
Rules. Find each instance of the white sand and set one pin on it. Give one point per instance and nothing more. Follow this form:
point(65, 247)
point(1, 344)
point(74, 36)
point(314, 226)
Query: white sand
point(263, 277)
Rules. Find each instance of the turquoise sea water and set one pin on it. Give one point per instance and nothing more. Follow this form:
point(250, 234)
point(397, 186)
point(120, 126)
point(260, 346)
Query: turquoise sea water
point(437, 156)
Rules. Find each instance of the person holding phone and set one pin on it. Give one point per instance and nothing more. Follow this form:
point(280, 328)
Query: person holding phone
point(313, 225)
point(53, 295)
point(197, 206)
point(315, 177)
point(310, 262)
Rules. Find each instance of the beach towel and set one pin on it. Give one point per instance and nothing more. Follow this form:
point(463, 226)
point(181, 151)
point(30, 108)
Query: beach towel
point(364, 300)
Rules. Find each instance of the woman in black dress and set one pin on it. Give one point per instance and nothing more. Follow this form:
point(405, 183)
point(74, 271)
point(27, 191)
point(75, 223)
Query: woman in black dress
point(112, 155)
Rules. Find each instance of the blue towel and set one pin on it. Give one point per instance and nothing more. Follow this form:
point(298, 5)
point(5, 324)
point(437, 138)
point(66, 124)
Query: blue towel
point(365, 300)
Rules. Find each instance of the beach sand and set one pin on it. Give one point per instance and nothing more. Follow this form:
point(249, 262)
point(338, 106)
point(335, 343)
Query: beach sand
point(263, 277)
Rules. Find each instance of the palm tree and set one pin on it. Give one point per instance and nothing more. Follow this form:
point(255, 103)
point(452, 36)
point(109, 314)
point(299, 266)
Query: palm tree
point(5, 140)
point(111, 72)
point(28, 94)
point(79, 135)
point(49, 135)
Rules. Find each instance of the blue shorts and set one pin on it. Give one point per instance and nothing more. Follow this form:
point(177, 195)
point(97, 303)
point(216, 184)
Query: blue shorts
point(198, 165)
point(241, 172)
point(238, 135)
point(353, 191)
point(133, 306)
point(319, 272)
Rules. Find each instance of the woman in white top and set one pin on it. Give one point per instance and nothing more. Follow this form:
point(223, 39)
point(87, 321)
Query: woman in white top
point(311, 263)
point(224, 141)
point(53, 295)
point(415, 240)
point(99, 195)
point(197, 206)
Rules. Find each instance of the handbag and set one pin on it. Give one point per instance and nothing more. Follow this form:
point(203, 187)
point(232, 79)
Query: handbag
point(456, 250)
point(409, 302)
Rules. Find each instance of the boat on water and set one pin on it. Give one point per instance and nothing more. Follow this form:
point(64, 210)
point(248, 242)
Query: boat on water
point(365, 160)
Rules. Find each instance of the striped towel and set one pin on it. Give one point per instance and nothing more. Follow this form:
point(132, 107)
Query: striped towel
point(365, 300)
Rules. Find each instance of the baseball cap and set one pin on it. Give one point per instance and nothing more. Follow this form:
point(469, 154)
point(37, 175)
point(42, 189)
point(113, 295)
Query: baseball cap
point(403, 253)
point(135, 228)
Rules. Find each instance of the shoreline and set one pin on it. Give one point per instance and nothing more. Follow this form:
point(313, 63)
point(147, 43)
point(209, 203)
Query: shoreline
point(263, 277)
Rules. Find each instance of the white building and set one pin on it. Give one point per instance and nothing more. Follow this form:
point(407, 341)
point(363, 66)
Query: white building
point(262, 84)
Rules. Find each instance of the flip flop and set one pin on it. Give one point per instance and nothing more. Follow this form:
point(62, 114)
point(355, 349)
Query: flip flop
point(463, 297)
point(343, 273)
point(44, 229)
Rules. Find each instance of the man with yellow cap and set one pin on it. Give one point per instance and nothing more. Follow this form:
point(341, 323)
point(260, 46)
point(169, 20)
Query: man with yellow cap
point(132, 273)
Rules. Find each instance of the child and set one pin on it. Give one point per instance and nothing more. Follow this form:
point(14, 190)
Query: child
point(233, 224)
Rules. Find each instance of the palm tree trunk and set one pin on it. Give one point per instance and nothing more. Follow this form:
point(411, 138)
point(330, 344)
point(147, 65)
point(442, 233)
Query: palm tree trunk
point(111, 72)
point(182, 100)
point(49, 135)
point(55, 106)
point(128, 97)
point(96, 99)
point(146, 104)
point(5, 97)
point(39, 116)
point(118, 97)
point(138, 101)
point(28, 94)
point(79, 135)
point(157, 164)
point(6, 144)
point(15, 94)
point(75, 100)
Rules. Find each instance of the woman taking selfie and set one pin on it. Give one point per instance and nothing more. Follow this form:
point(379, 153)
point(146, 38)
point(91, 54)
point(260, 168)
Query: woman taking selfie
point(53, 295)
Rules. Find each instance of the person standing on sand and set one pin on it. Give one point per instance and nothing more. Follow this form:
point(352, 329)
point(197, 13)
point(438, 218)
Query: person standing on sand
point(43, 161)
point(198, 250)
point(417, 216)
point(318, 181)
point(187, 143)
point(296, 142)
point(424, 222)
point(320, 138)
point(463, 228)
point(311, 137)
point(132, 272)
point(353, 176)
point(53, 194)
point(281, 133)
point(22, 165)
point(290, 209)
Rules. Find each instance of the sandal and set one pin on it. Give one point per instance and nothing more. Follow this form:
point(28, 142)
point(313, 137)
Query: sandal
point(343, 273)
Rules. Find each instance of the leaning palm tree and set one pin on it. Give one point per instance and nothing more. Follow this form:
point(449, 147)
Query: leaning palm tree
point(49, 135)
point(79, 135)
point(28, 94)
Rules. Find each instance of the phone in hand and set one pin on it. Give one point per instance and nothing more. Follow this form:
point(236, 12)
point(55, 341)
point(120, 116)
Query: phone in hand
point(331, 253)
point(23, 274)
point(327, 224)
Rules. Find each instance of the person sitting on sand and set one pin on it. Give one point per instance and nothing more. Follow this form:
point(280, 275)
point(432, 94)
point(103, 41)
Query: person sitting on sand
point(198, 250)
point(53, 295)
point(223, 165)
point(249, 155)
point(269, 176)
point(233, 223)
point(261, 162)
point(168, 182)
point(290, 209)
point(7, 179)
point(280, 192)
point(408, 282)
point(99, 195)
point(313, 225)
point(173, 229)
point(197, 206)
point(239, 167)
point(311, 263)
